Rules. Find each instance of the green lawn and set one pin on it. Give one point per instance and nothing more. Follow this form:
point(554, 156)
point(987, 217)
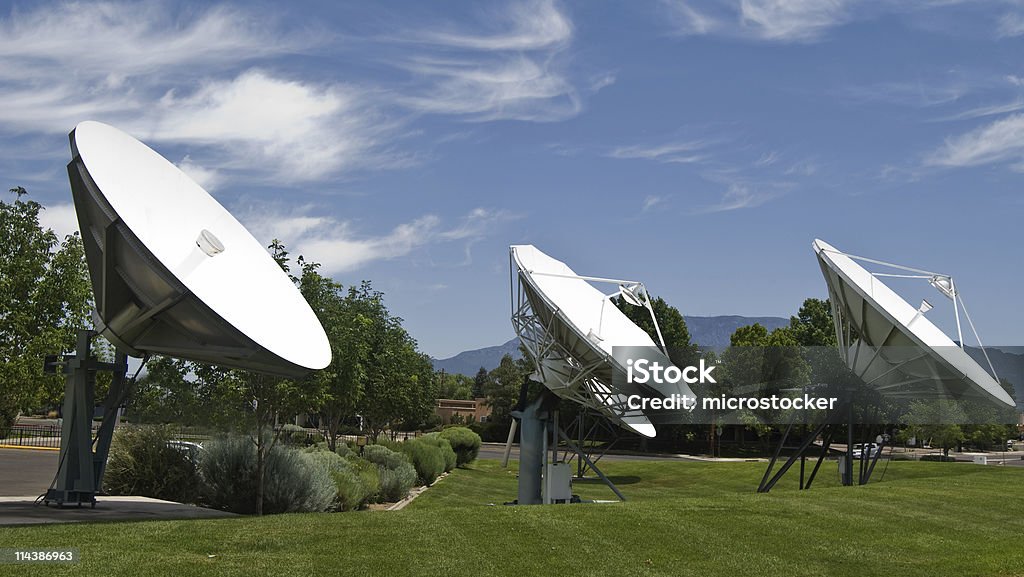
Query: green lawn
point(682, 519)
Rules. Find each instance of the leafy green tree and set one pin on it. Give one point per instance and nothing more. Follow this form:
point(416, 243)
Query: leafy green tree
point(682, 352)
point(399, 389)
point(44, 298)
point(347, 319)
point(936, 423)
point(504, 385)
point(481, 383)
point(455, 386)
point(813, 326)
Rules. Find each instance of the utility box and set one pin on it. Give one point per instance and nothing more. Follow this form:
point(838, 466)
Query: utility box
point(980, 460)
point(558, 483)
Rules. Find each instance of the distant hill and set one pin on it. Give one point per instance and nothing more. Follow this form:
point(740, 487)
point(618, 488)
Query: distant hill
point(714, 332)
point(1008, 363)
point(708, 332)
point(469, 362)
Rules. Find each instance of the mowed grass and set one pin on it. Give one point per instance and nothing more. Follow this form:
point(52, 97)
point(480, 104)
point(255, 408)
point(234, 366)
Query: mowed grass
point(681, 519)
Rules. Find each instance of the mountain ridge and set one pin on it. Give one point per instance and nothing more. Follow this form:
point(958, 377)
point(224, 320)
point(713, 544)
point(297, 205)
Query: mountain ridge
point(711, 332)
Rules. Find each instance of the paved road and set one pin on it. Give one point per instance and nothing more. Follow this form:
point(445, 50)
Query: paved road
point(25, 472)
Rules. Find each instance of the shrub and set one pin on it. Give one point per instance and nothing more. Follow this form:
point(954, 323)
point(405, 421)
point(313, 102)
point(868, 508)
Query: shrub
point(397, 475)
point(465, 443)
point(343, 450)
point(450, 459)
point(144, 462)
point(396, 483)
point(427, 458)
point(293, 480)
point(356, 481)
point(296, 435)
point(384, 456)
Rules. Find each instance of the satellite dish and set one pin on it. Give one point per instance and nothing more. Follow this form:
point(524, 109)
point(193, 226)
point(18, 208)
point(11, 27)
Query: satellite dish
point(571, 329)
point(891, 344)
point(174, 273)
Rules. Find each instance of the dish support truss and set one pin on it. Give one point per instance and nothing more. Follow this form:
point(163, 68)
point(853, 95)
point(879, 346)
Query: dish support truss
point(83, 458)
point(558, 370)
point(804, 447)
point(541, 435)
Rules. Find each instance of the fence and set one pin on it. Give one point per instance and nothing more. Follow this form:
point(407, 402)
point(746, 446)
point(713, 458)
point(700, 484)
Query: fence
point(33, 436)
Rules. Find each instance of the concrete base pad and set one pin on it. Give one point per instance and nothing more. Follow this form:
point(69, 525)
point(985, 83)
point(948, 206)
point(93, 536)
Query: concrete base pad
point(24, 511)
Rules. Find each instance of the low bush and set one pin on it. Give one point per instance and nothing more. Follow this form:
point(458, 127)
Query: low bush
point(296, 435)
point(465, 443)
point(357, 482)
point(343, 450)
point(143, 461)
point(384, 456)
point(427, 458)
point(396, 483)
point(450, 459)
point(397, 475)
point(294, 481)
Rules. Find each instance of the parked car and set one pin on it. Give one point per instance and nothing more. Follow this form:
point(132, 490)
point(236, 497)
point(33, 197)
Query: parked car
point(188, 448)
point(872, 450)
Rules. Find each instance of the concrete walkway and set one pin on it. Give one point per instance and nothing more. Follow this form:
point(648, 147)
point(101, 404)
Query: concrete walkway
point(24, 511)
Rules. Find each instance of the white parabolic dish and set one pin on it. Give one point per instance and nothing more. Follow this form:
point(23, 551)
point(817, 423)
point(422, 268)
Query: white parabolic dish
point(891, 345)
point(584, 323)
point(182, 227)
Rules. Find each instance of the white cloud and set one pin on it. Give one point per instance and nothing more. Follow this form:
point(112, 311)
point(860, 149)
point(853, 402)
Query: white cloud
point(989, 110)
point(652, 201)
point(518, 72)
point(207, 178)
point(62, 218)
point(339, 247)
point(517, 88)
point(1001, 140)
point(738, 196)
point(792, 20)
point(1010, 25)
point(685, 152)
point(769, 20)
point(530, 25)
point(687, 20)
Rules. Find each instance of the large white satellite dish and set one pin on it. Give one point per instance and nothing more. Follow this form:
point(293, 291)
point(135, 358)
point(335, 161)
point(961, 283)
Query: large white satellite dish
point(571, 330)
point(892, 345)
point(174, 273)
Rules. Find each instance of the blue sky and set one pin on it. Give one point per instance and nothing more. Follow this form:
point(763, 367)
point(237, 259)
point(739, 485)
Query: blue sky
point(699, 147)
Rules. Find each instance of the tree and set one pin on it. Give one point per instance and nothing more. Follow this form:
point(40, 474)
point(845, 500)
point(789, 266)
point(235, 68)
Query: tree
point(455, 386)
point(480, 383)
point(504, 384)
point(346, 318)
point(399, 388)
point(813, 326)
point(672, 324)
point(44, 298)
point(935, 422)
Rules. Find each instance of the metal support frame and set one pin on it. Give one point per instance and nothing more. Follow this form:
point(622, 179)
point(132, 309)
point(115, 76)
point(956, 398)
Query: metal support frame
point(827, 431)
point(581, 431)
point(540, 435)
point(83, 459)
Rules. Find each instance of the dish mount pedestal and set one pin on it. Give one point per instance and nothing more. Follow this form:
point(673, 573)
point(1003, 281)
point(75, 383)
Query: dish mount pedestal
point(83, 459)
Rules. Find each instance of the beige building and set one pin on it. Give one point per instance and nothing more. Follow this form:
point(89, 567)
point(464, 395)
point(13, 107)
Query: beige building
point(462, 410)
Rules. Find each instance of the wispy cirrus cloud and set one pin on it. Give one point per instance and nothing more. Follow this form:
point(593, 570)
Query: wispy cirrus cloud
point(339, 246)
point(768, 20)
point(680, 152)
point(210, 79)
point(1010, 25)
point(999, 141)
point(515, 71)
